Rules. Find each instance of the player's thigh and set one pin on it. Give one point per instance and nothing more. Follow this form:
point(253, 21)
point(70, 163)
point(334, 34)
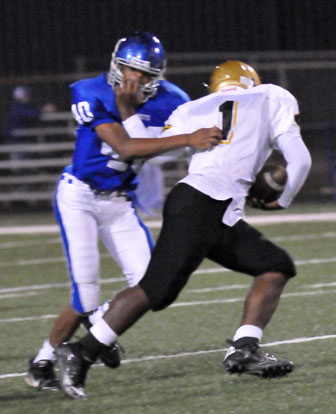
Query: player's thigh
point(186, 234)
point(182, 245)
point(244, 249)
point(129, 242)
point(80, 240)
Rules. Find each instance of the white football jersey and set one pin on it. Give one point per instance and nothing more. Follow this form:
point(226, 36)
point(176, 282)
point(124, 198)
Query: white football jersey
point(254, 122)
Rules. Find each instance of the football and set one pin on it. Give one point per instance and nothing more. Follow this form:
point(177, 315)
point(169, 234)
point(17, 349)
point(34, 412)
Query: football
point(269, 183)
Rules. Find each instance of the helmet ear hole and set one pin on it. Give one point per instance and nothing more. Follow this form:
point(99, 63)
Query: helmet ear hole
point(142, 51)
point(233, 73)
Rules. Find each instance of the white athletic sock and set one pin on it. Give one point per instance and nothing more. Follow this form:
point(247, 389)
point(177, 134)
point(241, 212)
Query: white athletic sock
point(248, 330)
point(99, 312)
point(46, 352)
point(103, 333)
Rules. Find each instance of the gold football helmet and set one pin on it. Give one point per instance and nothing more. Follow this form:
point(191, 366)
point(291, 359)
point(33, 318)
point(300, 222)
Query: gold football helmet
point(235, 73)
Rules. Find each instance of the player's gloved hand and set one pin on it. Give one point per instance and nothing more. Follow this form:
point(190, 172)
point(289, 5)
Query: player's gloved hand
point(262, 205)
point(205, 138)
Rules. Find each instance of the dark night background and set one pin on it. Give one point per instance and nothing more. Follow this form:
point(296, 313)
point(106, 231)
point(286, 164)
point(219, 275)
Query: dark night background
point(49, 36)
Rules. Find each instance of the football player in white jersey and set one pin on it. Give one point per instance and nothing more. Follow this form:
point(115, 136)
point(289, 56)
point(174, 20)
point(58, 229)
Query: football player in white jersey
point(203, 217)
point(94, 198)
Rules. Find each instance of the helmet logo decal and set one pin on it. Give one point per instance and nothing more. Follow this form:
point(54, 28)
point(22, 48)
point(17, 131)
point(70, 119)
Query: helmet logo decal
point(139, 62)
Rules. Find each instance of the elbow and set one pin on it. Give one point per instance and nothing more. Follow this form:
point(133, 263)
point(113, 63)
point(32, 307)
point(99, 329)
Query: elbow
point(125, 152)
point(126, 156)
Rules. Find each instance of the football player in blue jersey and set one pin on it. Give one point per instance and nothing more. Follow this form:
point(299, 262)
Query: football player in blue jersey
point(94, 198)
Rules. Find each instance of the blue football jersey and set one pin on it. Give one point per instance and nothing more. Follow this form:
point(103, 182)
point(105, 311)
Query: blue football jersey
point(95, 162)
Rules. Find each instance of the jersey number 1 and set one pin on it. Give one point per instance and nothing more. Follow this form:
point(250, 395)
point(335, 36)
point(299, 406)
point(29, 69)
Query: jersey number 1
point(228, 110)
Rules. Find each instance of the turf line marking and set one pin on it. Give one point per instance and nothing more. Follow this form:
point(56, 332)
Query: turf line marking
point(40, 229)
point(291, 218)
point(197, 272)
point(33, 262)
point(318, 285)
point(210, 351)
point(17, 295)
point(14, 375)
point(106, 255)
point(196, 353)
point(233, 287)
point(296, 237)
point(183, 304)
point(55, 285)
point(218, 288)
point(59, 259)
point(58, 240)
point(156, 224)
point(315, 261)
point(29, 318)
point(9, 245)
point(232, 300)
point(34, 287)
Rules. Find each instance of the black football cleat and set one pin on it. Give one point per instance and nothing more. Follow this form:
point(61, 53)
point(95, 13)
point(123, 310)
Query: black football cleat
point(72, 369)
point(41, 375)
point(111, 355)
point(251, 359)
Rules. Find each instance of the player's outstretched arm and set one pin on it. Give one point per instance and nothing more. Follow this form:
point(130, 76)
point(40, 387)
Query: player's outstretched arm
point(130, 148)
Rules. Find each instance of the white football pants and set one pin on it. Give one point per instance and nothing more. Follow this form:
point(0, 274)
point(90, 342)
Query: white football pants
point(84, 218)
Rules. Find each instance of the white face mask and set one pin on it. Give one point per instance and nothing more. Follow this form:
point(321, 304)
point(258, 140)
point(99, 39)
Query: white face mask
point(115, 75)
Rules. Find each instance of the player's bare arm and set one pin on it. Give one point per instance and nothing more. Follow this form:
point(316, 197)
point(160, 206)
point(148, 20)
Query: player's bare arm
point(129, 148)
point(128, 96)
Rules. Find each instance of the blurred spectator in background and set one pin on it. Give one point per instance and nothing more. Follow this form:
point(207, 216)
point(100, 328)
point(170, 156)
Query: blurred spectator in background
point(23, 113)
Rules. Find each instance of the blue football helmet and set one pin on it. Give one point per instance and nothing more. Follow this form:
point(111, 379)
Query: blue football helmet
point(141, 51)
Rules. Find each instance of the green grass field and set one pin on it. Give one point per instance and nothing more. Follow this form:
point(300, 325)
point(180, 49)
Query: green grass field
point(173, 359)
